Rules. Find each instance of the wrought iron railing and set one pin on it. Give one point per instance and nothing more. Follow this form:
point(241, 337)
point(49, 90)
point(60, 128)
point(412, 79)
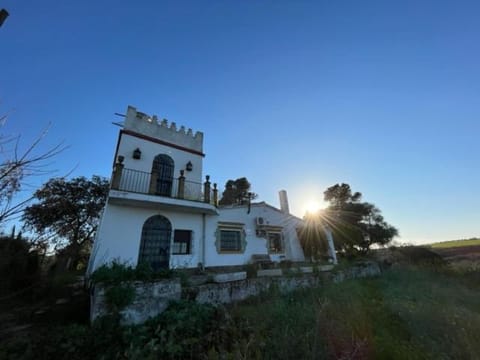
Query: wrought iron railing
point(150, 183)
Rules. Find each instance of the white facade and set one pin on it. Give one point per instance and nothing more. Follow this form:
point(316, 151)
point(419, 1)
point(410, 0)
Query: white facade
point(169, 201)
point(274, 221)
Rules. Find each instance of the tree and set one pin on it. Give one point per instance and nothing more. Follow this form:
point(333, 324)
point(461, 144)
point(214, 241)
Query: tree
point(312, 237)
point(356, 225)
point(67, 213)
point(237, 192)
point(16, 167)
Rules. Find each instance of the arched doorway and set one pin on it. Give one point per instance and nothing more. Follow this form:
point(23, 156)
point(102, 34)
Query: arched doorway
point(162, 175)
point(155, 242)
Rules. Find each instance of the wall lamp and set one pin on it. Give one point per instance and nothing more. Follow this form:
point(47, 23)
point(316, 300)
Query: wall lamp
point(137, 154)
point(189, 166)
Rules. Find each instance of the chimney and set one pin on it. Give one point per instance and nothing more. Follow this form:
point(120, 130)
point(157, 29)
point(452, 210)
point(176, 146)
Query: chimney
point(284, 202)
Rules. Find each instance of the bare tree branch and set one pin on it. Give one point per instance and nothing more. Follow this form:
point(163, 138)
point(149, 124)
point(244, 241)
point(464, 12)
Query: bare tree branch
point(17, 166)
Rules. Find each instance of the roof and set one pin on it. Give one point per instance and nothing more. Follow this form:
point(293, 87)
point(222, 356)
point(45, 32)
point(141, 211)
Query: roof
point(257, 204)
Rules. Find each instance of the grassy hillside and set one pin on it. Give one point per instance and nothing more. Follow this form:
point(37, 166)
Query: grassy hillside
point(407, 313)
point(455, 243)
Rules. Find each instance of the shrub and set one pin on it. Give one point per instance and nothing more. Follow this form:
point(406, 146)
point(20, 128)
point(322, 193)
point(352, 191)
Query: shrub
point(116, 272)
point(19, 267)
point(118, 297)
point(418, 255)
point(113, 273)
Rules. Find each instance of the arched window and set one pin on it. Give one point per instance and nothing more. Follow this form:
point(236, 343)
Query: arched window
point(155, 242)
point(162, 175)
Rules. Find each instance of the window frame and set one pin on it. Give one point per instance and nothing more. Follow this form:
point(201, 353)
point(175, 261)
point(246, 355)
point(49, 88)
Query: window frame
point(189, 242)
point(155, 242)
point(282, 242)
point(230, 226)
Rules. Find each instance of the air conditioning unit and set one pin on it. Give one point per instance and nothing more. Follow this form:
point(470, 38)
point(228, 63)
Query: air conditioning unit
point(260, 221)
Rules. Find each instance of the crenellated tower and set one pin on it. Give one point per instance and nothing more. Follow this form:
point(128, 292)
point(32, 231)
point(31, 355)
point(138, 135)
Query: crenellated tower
point(155, 157)
point(151, 126)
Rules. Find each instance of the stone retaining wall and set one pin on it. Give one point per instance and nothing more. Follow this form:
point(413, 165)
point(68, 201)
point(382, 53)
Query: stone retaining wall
point(153, 298)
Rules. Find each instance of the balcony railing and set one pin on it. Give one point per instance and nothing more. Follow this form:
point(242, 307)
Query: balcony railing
point(150, 183)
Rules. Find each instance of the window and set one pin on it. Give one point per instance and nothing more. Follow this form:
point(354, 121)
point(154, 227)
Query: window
point(161, 181)
point(230, 238)
point(275, 243)
point(155, 242)
point(182, 240)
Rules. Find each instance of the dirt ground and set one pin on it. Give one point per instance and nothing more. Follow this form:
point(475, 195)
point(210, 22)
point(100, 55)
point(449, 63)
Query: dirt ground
point(459, 253)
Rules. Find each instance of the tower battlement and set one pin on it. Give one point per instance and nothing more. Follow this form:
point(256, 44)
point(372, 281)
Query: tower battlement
point(160, 129)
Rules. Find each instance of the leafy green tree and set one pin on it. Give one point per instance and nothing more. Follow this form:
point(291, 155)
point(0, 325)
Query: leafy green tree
point(356, 225)
point(237, 192)
point(67, 213)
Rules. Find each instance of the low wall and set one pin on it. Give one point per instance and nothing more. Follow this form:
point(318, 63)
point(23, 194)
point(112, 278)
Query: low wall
point(226, 293)
point(153, 298)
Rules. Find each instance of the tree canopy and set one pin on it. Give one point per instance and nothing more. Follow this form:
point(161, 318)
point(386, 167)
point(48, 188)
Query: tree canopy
point(67, 211)
point(237, 192)
point(312, 237)
point(356, 225)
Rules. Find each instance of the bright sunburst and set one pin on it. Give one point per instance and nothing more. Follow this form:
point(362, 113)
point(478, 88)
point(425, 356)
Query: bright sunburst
point(313, 207)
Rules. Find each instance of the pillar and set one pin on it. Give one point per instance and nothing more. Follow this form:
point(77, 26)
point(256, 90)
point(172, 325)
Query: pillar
point(206, 190)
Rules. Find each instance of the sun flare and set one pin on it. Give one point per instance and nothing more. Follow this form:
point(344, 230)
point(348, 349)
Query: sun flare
point(313, 207)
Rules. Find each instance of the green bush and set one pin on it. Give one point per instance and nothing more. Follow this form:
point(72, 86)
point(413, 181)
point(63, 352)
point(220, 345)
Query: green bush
point(186, 330)
point(117, 272)
point(118, 297)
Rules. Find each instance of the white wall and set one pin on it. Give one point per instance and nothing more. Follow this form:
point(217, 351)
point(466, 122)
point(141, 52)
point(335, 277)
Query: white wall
point(150, 149)
point(121, 229)
point(255, 245)
point(120, 233)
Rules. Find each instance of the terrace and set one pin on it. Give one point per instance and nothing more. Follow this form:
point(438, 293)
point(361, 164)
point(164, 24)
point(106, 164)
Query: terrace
point(170, 189)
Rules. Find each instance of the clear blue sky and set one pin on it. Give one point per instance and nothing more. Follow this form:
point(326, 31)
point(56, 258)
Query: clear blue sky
point(297, 95)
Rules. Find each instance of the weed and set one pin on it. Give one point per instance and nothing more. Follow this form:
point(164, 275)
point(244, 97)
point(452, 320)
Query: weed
point(410, 312)
point(118, 297)
point(117, 272)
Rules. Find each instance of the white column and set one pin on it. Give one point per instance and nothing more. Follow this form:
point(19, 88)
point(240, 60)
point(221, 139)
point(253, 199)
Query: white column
point(331, 245)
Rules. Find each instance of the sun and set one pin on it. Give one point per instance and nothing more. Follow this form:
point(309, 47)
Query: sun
point(313, 206)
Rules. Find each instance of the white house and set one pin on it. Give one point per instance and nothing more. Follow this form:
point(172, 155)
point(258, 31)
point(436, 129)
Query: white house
point(162, 211)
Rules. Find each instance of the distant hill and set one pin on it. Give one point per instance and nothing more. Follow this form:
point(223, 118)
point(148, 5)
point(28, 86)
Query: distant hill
point(455, 243)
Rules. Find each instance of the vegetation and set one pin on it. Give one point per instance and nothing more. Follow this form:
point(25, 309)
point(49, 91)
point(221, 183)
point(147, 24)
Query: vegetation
point(237, 192)
point(356, 225)
point(312, 237)
point(19, 265)
point(117, 278)
point(17, 167)
point(410, 312)
point(67, 214)
point(115, 273)
point(456, 243)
